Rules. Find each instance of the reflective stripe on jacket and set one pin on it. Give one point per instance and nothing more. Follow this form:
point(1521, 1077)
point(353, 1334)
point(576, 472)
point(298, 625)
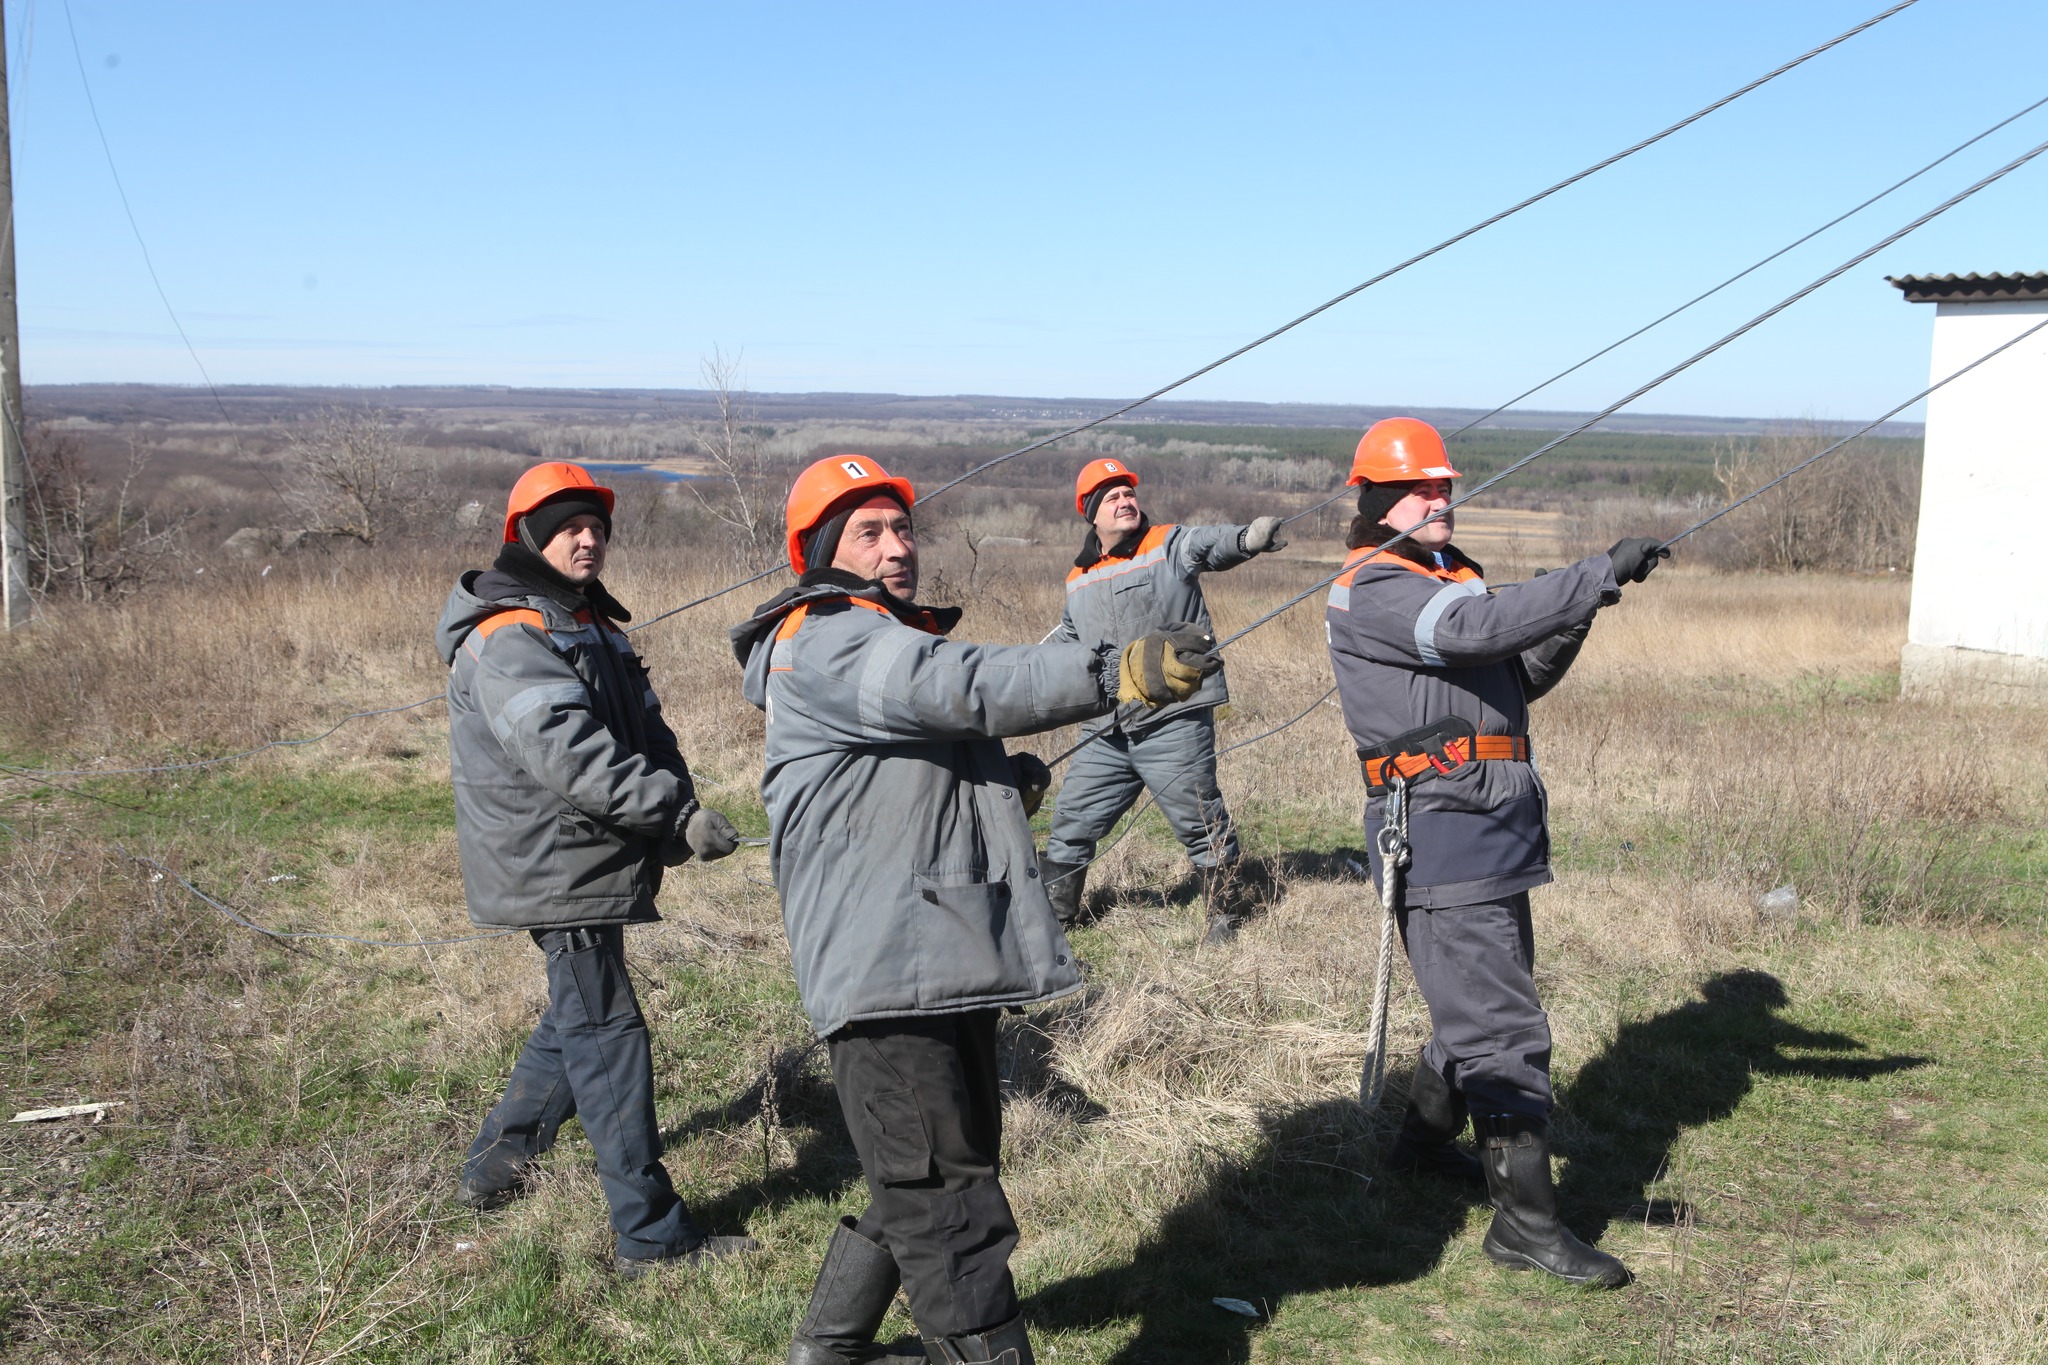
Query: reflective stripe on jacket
point(896, 834)
point(1412, 646)
point(567, 779)
point(1119, 599)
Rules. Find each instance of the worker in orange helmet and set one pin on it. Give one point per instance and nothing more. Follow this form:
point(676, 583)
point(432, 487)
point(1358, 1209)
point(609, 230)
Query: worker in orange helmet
point(1132, 576)
point(1436, 671)
point(900, 840)
point(571, 797)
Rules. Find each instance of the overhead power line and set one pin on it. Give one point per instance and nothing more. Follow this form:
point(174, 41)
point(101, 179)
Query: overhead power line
point(977, 470)
point(1695, 358)
point(149, 264)
point(1425, 254)
point(1860, 432)
point(1707, 294)
point(1359, 288)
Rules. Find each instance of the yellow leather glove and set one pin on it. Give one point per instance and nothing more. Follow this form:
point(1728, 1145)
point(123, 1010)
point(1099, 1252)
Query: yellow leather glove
point(1033, 778)
point(1167, 665)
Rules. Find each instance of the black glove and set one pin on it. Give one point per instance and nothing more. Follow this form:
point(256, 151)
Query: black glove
point(1635, 557)
point(1262, 536)
point(1167, 665)
point(1032, 778)
point(701, 831)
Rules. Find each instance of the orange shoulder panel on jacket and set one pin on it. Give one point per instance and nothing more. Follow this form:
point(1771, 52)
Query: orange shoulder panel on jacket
point(1154, 538)
point(792, 622)
point(1457, 573)
point(511, 616)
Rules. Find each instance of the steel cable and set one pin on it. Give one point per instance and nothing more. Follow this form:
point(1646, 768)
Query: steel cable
point(1707, 294)
point(1601, 416)
point(1130, 821)
point(1387, 274)
point(1864, 430)
point(974, 472)
point(246, 923)
point(1424, 255)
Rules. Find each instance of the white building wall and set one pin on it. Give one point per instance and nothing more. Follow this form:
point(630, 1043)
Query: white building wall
point(1978, 578)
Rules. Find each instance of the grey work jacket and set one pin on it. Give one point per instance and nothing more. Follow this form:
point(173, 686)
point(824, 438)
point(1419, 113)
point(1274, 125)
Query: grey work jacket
point(1120, 599)
point(896, 834)
point(1412, 646)
point(568, 781)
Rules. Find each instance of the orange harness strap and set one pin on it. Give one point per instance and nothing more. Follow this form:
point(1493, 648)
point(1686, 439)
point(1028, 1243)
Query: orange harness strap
point(1413, 765)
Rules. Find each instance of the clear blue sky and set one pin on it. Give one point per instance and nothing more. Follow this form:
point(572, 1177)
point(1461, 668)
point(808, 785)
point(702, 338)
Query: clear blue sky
point(1044, 199)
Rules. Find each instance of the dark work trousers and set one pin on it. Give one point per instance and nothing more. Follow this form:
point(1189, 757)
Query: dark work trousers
point(1177, 760)
point(589, 1057)
point(1489, 1037)
point(921, 1098)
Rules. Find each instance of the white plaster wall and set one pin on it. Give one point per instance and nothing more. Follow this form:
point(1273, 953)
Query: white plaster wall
point(1978, 575)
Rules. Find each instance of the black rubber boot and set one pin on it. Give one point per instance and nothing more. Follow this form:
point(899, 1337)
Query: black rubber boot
point(1428, 1141)
point(1064, 883)
point(1005, 1345)
point(1526, 1234)
point(855, 1287)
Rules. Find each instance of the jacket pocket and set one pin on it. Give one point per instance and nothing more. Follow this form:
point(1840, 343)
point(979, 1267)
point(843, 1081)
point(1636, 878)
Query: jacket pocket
point(595, 862)
point(1134, 605)
point(897, 1143)
point(967, 947)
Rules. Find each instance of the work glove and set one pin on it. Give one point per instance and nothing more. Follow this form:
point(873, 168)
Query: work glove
point(1167, 665)
point(701, 831)
point(1032, 778)
point(1635, 557)
point(1262, 536)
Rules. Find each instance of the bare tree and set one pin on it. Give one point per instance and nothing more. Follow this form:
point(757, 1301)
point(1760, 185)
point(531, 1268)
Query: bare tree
point(351, 476)
point(1857, 511)
point(88, 542)
point(745, 500)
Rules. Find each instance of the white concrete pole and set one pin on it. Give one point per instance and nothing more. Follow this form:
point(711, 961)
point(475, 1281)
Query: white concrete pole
point(13, 473)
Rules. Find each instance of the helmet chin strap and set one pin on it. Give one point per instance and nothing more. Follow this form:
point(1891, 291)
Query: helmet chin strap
point(526, 536)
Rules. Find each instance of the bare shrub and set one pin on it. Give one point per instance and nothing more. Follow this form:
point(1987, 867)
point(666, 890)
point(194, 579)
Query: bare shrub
point(352, 476)
point(87, 542)
point(323, 1268)
point(745, 499)
point(1854, 512)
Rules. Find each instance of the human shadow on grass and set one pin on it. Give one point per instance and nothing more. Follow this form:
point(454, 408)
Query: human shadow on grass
point(794, 1097)
point(1692, 1065)
point(1308, 1209)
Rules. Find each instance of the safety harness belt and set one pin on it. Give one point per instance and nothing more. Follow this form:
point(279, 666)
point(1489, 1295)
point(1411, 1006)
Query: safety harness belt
point(1453, 755)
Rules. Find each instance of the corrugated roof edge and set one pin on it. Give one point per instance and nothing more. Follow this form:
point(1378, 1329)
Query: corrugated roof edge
point(1970, 288)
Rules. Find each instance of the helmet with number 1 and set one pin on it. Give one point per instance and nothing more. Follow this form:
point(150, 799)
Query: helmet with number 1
point(1094, 475)
point(546, 482)
point(831, 486)
point(1401, 450)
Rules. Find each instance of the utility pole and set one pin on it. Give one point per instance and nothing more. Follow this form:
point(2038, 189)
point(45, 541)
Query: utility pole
point(13, 470)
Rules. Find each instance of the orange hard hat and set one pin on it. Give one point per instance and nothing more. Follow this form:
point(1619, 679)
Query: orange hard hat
point(1094, 475)
point(827, 487)
point(1400, 450)
point(545, 481)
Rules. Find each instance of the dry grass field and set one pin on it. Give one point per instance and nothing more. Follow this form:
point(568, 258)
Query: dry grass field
point(1814, 1139)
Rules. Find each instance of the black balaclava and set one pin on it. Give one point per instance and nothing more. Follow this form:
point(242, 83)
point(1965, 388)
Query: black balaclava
point(1369, 527)
point(1093, 502)
point(821, 547)
point(538, 527)
point(521, 567)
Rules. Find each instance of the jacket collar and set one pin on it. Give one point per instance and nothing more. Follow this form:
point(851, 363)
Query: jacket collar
point(1455, 568)
point(519, 572)
point(1091, 548)
point(825, 585)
